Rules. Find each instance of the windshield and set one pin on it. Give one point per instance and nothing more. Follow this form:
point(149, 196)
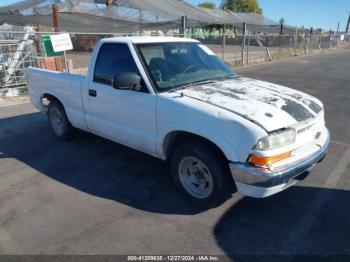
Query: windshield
point(174, 65)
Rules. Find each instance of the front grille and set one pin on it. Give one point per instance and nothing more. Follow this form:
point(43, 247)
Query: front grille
point(304, 129)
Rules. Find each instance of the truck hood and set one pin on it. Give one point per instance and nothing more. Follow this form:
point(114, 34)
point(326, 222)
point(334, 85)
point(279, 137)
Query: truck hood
point(269, 105)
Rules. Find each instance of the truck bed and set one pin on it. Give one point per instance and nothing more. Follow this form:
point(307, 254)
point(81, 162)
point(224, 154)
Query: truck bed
point(66, 87)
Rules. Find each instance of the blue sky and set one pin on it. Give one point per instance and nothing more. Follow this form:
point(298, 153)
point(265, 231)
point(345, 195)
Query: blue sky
point(316, 13)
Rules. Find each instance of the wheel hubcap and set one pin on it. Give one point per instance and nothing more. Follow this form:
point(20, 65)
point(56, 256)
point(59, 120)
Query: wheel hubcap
point(195, 177)
point(57, 121)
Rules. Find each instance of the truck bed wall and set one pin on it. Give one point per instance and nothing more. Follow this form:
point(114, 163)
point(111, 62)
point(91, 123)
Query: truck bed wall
point(67, 88)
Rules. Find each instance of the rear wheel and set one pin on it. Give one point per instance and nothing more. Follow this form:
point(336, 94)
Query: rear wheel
point(201, 175)
point(59, 123)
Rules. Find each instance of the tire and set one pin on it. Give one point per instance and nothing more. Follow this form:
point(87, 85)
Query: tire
point(59, 123)
point(196, 165)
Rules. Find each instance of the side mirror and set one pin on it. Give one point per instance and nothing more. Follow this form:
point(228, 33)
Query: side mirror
point(129, 81)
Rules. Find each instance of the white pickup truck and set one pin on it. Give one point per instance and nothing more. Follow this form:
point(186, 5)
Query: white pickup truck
point(174, 99)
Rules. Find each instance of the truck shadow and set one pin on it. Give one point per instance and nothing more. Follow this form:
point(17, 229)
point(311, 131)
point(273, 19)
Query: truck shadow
point(301, 220)
point(298, 221)
point(93, 165)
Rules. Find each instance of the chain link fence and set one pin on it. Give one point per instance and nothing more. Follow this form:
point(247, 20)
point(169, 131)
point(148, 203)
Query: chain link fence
point(19, 50)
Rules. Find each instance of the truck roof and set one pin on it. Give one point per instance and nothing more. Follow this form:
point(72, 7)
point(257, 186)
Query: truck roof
point(147, 39)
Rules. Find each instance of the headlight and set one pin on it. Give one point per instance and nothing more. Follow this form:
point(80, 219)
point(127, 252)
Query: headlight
point(276, 140)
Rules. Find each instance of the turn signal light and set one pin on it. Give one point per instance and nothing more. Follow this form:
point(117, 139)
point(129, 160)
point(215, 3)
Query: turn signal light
point(266, 161)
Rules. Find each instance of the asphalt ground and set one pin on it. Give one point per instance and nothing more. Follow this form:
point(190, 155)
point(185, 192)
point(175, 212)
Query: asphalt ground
point(92, 196)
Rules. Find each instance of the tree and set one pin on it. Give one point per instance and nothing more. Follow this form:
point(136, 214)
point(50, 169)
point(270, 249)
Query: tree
point(282, 21)
point(209, 5)
point(245, 6)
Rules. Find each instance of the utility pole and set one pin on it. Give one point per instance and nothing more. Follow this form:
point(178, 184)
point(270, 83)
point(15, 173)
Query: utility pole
point(244, 31)
point(56, 18)
point(311, 33)
point(56, 25)
point(338, 28)
point(223, 40)
point(347, 25)
point(183, 26)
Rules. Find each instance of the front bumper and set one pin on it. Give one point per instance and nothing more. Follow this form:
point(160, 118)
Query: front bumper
point(260, 182)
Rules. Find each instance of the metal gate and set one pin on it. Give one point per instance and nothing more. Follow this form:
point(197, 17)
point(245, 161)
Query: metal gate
point(15, 56)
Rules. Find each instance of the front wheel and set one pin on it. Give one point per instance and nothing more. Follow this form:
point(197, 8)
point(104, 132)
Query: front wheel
point(201, 175)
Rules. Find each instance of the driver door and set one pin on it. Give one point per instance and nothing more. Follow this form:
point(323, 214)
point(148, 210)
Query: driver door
point(125, 116)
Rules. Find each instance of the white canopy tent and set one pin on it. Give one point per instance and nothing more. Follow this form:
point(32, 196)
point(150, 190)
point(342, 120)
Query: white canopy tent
point(126, 16)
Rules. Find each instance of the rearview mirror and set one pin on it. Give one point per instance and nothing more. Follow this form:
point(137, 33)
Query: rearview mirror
point(129, 80)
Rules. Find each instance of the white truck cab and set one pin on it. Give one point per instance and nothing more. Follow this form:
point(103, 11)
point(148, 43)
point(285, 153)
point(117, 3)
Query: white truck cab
point(174, 99)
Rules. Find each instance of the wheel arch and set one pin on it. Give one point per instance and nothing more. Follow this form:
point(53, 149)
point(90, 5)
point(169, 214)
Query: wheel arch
point(178, 137)
point(46, 98)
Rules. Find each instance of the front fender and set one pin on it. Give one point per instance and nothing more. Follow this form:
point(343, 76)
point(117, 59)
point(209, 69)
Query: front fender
point(232, 133)
point(222, 143)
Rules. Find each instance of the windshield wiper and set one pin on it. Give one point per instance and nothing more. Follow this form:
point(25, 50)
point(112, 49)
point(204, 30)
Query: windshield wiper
point(178, 88)
point(224, 78)
point(192, 84)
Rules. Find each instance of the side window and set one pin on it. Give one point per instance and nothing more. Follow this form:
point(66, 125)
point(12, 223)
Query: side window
point(113, 59)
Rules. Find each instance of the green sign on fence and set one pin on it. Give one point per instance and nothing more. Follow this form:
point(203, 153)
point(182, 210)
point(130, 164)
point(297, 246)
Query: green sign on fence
point(47, 46)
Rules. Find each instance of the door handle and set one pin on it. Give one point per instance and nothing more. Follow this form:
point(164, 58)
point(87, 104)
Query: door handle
point(92, 92)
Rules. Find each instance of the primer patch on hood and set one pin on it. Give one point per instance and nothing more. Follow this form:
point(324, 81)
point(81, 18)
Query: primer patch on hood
point(256, 99)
